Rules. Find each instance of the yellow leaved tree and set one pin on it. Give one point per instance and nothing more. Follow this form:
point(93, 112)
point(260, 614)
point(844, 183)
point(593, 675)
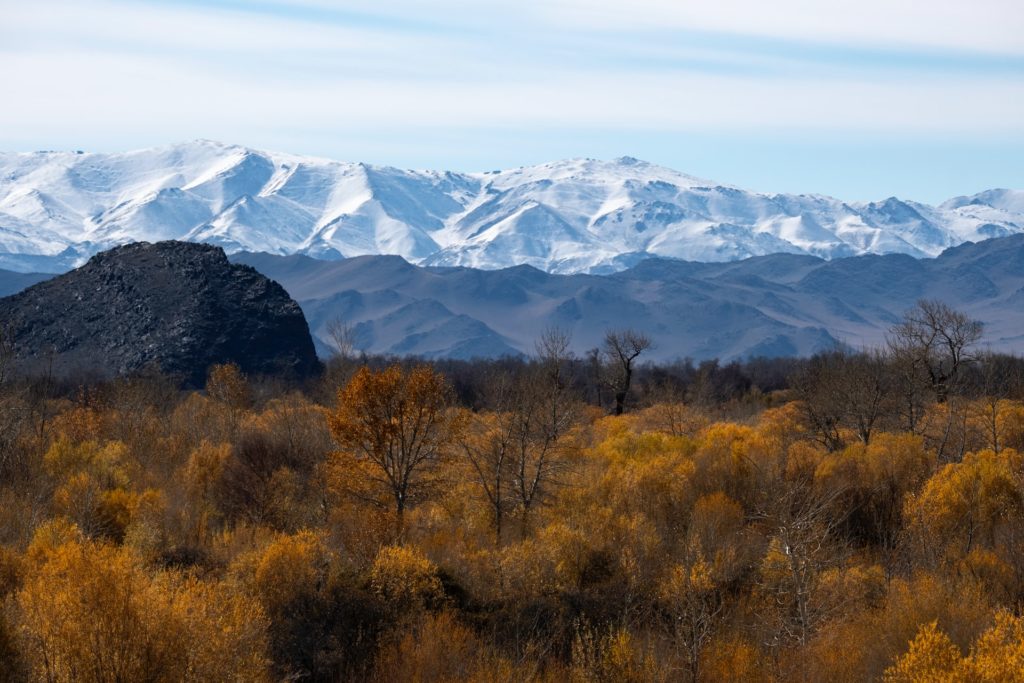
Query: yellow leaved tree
point(89, 612)
point(394, 428)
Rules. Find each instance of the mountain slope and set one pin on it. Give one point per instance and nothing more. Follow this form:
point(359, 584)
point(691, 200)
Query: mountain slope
point(579, 215)
point(777, 305)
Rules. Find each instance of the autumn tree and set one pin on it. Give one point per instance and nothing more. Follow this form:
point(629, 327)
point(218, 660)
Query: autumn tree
point(997, 379)
point(393, 428)
point(967, 504)
point(89, 613)
point(694, 602)
point(226, 383)
point(442, 648)
point(611, 656)
point(998, 651)
point(621, 349)
point(229, 388)
point(270, 463)
point(322, 627)
point(932, 657)
point(873, 481)
point(406, 581)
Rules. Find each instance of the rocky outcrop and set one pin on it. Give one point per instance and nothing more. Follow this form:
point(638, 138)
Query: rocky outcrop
point(178, 306)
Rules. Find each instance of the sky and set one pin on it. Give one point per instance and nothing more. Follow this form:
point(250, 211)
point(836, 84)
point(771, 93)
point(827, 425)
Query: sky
point(860, 99)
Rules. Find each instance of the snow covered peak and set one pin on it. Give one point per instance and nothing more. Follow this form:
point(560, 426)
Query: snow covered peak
point(594, 171)
point(1007, 200)
point(57, 208)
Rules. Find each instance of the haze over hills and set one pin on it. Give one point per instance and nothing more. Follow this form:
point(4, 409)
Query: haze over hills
point(777, 305)
point(574, 216)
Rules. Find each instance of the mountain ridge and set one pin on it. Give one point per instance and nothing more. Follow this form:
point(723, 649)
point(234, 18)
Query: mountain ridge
point(569, 216)
point(781, 304)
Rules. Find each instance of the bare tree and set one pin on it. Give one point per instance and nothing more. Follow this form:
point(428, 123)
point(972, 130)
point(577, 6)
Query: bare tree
point(341, 335)
point(554, 355)
point(595, 375)
point(911, 387)
point(817, 388)
point(867, 387)
point(841, 390)
point(996, 379)
point(938, 340)
point(806, 541)
point(13, 409)
point(553, 351)
point(518, 452)
point(542, 456)
point(622, 348)
point(489, 445)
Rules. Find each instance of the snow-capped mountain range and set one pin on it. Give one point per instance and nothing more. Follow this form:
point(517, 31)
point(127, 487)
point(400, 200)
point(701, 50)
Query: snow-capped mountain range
point(578, 215)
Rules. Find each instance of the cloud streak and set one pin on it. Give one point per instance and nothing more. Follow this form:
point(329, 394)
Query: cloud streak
point(103, 88)
point(994, 26)
point(987, 26)
point(308, 73)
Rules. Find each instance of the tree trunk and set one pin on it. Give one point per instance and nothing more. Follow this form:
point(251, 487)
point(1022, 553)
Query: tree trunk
point(620, 402)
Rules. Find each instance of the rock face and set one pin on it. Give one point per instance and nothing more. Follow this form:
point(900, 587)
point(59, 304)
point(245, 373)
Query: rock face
point(176, 305)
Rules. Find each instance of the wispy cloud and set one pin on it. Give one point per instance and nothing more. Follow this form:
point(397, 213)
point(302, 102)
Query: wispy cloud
point(994, 26)
point(101, 88)
point(991, 26)
point(312, 73)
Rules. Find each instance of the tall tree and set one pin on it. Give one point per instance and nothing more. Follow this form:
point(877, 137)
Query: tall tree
point(488, 444)
point(548, 412)
point(622, 348)
point(394, 427)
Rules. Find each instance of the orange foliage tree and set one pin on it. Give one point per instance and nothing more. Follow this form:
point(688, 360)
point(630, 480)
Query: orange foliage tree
point(90, 613)
point(394, 429)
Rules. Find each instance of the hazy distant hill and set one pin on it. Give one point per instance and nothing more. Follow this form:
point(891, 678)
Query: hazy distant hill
point(12, 282)
point(782, 304)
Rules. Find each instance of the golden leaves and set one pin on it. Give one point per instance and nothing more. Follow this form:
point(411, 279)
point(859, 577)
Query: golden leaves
point(405, 580)
point(89, 612)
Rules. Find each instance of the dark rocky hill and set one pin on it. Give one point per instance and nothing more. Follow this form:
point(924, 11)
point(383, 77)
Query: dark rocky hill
point(176, 305)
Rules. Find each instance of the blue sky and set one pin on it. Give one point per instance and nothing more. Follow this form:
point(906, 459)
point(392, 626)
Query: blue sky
point(859, 99)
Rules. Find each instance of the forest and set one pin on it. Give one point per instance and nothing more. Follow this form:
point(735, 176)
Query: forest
point(854, 516)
